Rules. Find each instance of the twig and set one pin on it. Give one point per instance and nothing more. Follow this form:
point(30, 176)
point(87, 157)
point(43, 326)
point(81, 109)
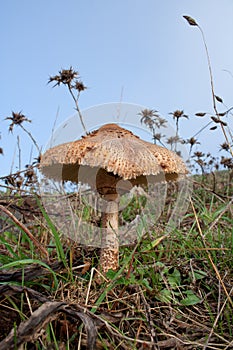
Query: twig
point(14, 188)
point(149, 319)
point(89, 286)
point(18, 172)
point(216, 321)
point(25, 229)
point(30, 329)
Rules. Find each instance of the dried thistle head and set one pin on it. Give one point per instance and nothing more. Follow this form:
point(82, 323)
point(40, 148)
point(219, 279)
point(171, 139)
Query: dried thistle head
point(227, 162)
point(224, 147)
point(199, 154)
point(152, 119)
point(10, 180)
point(30, 175)
point(147, 116)
point(192, 141)
point(158, 137)
point(145, 113)
point(30, 172)
point(79, 86)
point(17, 119)
point(19, 181)
point(65, 76)
point(178, 114)
point(70, 78)
point(160, 122)
point(174, 140)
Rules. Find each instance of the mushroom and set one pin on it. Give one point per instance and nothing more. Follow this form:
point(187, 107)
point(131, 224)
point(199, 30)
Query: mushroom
point(113, 160)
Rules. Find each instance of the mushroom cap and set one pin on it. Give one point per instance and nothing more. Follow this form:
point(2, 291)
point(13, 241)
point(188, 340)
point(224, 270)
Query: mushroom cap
point(114, 150)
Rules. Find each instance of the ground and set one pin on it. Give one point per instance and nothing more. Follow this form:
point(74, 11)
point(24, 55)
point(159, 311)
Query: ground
point(171, 291)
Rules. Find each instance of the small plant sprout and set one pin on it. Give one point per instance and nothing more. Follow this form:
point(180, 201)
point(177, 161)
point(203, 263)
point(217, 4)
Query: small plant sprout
point(114, 160)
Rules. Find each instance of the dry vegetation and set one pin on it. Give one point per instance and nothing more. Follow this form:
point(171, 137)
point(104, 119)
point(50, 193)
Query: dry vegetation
point(171, 291)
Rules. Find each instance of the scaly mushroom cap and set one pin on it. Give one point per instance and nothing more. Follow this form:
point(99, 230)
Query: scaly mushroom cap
point(116, 153)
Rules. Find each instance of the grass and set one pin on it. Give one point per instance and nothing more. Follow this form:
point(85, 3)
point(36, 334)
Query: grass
point(173, 293)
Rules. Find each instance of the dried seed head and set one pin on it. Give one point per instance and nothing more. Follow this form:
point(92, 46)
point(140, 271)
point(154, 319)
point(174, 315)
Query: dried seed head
point(79, 86)
point(200, 114)
point(219, 99)
point(65, 76)
point(190, 21)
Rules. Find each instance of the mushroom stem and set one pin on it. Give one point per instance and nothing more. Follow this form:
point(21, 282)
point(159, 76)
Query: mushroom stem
point(110, 246)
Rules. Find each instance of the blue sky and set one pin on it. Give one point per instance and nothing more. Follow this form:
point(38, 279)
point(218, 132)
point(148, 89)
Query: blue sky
point(140, 52)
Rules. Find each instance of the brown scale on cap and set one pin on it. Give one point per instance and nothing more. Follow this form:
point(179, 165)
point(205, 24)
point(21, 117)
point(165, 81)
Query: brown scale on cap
point(109, 155)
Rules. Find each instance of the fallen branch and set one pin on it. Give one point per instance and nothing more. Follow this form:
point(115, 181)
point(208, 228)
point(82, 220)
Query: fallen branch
point(30, 329)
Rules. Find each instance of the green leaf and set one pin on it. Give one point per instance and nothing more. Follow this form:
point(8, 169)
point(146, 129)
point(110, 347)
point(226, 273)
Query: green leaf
point(165, 296)
point(198, 274)
point(24, 262)
point(191, 298)
point(59, 248)
point(174, 278)
point(154, 243)
point(111, 274)
point(146, 284)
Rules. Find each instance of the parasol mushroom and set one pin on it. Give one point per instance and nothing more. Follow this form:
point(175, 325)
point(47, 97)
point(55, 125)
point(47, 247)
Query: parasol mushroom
point(114, 160)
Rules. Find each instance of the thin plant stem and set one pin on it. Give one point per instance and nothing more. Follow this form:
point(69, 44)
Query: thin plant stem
point(77, 108)
point(31, 137)
point(19, 150)
point(212, 88)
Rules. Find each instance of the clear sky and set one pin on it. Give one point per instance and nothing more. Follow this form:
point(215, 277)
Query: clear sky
point(140, 52)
